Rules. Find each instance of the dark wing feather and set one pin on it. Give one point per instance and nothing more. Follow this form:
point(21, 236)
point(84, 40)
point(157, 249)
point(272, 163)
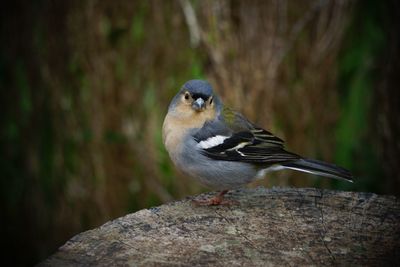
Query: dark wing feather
point(245, 142)
point(246, 147)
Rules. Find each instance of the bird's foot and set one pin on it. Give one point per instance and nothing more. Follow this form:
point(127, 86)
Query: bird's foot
point(215, 201)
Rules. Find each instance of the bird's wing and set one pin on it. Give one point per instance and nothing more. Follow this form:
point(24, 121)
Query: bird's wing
point(232, 137)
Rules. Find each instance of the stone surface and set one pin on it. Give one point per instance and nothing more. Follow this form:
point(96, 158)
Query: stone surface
point(267, 227)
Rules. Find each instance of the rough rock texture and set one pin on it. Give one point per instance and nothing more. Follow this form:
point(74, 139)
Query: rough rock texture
point(265, 228)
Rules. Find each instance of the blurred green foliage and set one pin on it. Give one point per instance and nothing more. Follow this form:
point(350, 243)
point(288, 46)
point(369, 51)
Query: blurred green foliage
point(85, 87)
point(358, 74)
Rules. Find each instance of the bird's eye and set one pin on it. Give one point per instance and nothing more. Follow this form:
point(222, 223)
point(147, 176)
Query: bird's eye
point(186, 95)
point(211, 100)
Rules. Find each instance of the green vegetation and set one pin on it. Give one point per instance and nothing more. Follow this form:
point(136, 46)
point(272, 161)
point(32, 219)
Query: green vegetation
point(358, 75)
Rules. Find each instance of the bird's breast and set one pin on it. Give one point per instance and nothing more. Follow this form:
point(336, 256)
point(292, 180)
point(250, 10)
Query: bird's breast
point(172, 133)
point(177, 125)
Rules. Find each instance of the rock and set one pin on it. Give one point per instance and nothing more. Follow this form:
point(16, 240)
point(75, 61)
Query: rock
point(267, 227)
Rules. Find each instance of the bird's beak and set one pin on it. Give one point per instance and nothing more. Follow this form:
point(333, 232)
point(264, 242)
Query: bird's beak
point(198, 104)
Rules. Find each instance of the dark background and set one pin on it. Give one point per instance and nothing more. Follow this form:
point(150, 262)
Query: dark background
point(85, 86)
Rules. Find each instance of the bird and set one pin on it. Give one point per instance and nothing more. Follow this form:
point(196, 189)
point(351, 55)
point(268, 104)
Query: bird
point(222, 149)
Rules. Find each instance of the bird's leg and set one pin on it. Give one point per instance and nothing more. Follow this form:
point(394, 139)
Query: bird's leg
point(214, 201)
point(218, 199)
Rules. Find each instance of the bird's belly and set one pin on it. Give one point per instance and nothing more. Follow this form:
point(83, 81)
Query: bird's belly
point(220, 175)
point(216, 174)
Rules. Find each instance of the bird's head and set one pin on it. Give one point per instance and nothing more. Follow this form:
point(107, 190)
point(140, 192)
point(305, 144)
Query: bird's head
point(195, 97)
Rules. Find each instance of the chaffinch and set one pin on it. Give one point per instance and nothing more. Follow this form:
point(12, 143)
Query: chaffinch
point(222, 149)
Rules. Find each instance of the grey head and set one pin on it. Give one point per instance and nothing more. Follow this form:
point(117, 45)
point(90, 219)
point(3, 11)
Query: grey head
point(199, 92)
point(198, 88)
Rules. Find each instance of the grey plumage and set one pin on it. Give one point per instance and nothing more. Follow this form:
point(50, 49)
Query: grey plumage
point(216, 174)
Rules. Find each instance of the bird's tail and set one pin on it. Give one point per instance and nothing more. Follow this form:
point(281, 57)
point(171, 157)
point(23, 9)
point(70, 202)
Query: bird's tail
point(319, 168)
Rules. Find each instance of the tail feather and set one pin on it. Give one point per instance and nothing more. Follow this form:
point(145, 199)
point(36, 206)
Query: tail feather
point(319, 168)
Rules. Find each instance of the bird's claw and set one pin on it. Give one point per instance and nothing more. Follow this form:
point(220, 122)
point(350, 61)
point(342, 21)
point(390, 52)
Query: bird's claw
point(214, 201)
